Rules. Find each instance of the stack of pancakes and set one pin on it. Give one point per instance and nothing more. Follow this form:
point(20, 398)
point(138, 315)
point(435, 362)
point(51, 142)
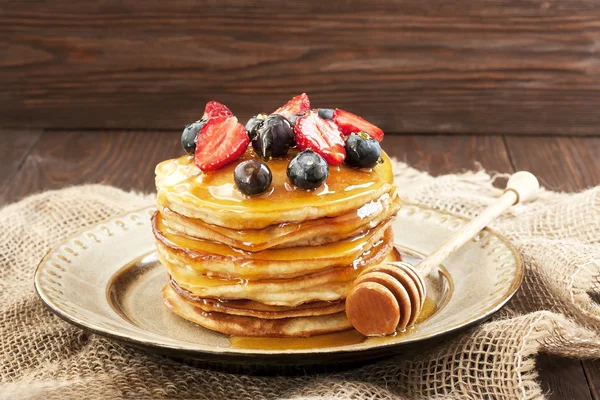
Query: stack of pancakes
point(278, 264)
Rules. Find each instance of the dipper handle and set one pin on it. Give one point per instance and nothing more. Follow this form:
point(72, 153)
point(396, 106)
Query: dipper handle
point(389, 297)
point(522, 186)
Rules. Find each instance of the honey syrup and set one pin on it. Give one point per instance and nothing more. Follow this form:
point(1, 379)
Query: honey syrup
point(338, 339)
point(182, 177)
point(353, 246)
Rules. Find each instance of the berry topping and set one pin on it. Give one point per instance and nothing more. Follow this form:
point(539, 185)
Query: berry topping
point(297, 105)
point(253, 124)
point(252, 177)
point(189, 136)
point(362, 151)
point(294, 118)
point(325, 113)
point(215, 109)
point(274, 136)
point(220, 141)
point(307, 170)
point(324, 137)
point(350, 123)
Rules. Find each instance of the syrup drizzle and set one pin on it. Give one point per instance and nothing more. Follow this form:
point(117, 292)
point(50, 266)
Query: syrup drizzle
point(254, 240)
point(190, 278)
point(180, 176)
point(338, 339)
point(351, 246)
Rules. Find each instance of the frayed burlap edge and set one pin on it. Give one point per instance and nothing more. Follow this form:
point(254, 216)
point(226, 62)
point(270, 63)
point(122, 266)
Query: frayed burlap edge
point(558, 236)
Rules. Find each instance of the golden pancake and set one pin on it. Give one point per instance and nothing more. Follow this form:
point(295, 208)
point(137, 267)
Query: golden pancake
point(279, 264)
point(329, 285)
point(250, 326)
point(314, 232)
point(206, 257)
point(213, 197)
point(251, 308)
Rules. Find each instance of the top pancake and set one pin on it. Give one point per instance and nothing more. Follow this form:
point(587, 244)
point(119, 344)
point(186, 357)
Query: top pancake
point(213, 197)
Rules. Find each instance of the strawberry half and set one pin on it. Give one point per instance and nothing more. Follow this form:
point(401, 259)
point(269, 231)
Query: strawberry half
point(220, 141)
point(321, 136)
point(214, 109)
point(350, 123)
point(297, 105)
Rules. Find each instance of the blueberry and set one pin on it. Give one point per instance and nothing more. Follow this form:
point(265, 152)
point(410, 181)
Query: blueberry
point(326, 113)
point(295, 117)
point(273, 137)
point(189, 136)
point(252, 177)
point(254, 123)
point(362, 151)
point(307, 170)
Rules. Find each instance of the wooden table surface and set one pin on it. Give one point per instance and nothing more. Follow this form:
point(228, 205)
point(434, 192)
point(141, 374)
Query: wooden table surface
point(502, 67)
point(36, 160)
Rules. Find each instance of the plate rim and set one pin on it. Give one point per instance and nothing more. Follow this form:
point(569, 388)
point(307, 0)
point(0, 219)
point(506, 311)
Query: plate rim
point(160, 347)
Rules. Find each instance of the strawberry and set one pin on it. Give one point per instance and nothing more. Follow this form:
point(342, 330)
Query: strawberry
point(214, 109)
point(220, 141)
point(350, 123)
point(321, 136)
point(297, 105)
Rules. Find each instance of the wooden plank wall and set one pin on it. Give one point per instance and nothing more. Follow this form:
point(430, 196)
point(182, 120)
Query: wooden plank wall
point(469, 67)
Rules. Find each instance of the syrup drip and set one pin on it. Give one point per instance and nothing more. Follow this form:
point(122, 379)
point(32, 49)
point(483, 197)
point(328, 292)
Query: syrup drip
point(344, 338)
point(343, 224)
point(338, 339)
point(189, 277)
point(182, 177)
point(349, 247)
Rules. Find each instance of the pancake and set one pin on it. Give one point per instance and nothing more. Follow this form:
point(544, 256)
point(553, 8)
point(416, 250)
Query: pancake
point(314, 232)
point(213, 198)
point(279, 264)
point(206, 257)
point(251, 308)
point(331, 284)
point(250, 326)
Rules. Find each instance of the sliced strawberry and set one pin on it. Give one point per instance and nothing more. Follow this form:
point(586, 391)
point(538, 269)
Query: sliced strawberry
point(214, 109)
point(350, 123)
point(220, 141)
point(321, 136)
point(297, 105)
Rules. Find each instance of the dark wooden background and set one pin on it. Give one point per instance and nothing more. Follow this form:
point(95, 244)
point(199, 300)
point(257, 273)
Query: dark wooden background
point(469, 67)
point(99, 91)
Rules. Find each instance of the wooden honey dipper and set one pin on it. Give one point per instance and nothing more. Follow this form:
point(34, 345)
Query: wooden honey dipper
point(389, 297)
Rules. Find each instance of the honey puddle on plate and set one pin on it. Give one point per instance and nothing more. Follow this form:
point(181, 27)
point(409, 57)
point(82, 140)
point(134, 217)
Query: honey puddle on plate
point(338, 339)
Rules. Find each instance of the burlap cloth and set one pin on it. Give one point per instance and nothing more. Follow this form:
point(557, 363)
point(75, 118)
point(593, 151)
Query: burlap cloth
point(558, 235)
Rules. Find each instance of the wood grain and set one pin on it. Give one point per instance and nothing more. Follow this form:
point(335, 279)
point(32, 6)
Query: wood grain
point(527, 66)
point(15, 146)
point(567, 164)
point(449, 154)
point(120, 158)
point(592, 373)
point(564, 164)
point(562, 378)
